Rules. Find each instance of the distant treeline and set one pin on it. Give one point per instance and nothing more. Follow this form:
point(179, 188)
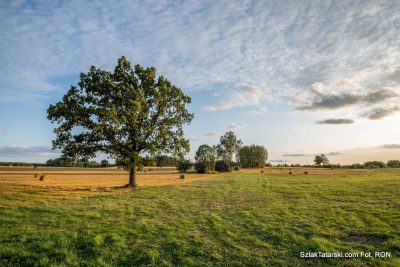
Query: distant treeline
point(156, 161)
point(58, 162)
point(22, 164)
point(366, 165)
point(159, 161)
point(168, 161)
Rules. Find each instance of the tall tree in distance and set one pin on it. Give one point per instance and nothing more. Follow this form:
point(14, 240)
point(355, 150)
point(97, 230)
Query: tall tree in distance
point(228, 147)
point(253, 156)
point(321, 159)
point(122, 114)
point(205, 158)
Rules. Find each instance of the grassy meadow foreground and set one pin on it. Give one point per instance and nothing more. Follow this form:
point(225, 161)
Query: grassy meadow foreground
point(246, 218)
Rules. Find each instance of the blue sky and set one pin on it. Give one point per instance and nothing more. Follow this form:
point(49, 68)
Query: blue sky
point(299, 77)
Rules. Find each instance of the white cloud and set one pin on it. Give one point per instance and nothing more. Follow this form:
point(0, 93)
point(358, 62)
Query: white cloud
point(213, 134)
point(242, 96)
point(236, 126)
point(375, 103)
point(283, 48)
point(259, 111)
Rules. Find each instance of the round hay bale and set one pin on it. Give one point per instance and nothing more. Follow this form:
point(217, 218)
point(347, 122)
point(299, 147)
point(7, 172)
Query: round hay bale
point(44, 177)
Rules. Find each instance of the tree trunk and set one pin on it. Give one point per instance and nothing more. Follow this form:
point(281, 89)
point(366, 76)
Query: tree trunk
point(132, 171)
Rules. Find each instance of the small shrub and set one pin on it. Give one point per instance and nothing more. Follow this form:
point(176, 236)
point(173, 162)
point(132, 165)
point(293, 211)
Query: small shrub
point(236, 168)
point(201, 167)
point(262, 171)
point(184, 165)
point(221, 166)
point(290, 172)
point(305, 172)
point(36, 175)
point(182, 176)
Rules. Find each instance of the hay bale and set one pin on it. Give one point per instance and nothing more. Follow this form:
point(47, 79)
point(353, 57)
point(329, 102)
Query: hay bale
point(44, 177)
point(182, 176)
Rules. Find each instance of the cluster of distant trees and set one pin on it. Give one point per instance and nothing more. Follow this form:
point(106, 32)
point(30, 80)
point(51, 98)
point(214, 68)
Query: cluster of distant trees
point(64, 162)
point(159, 161)
point(155, 161)
point(226, 156)
point(229, 154)
point(21, 164)
point(376, 165)
point(323, 161)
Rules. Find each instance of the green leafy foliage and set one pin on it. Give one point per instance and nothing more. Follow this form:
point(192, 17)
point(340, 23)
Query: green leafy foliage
point(253, 156)
point(164, 161)
point(205, 159)
point(104, 163)
point(201, 167)
point(222, 166)
point(228, 147)
point(393, 164)
point(184, 165)
point(321, 159)
point(374, 164)
point(122, 114)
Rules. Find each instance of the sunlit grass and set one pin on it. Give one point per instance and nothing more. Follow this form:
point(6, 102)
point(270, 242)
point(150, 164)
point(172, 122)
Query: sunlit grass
point(233, 220)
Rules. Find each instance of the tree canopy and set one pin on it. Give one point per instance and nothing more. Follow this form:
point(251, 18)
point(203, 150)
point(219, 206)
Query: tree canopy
point(205, 158)
point(253, 156)
point(121, 113)
point(393, 163)
point(321, 159)
point(228, 147)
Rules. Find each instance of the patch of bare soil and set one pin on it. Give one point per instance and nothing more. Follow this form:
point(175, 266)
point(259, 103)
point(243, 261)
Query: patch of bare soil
point(367, 238)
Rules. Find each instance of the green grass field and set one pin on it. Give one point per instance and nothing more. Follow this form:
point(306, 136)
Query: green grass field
point(234, 219)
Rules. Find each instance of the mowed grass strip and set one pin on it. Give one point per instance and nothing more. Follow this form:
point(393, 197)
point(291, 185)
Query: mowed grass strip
point(233, 220)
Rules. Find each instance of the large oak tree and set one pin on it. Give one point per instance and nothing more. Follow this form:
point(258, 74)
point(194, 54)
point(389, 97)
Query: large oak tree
point(122, 114)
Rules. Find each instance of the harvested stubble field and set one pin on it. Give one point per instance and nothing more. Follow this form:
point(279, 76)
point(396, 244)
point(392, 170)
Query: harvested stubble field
point(92, 178)
point(245, 218)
